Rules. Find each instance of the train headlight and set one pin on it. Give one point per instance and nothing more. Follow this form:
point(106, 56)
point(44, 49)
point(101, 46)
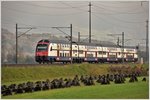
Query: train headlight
point(116, 59)
point(85, 58)
point(69, 58)
point(108, 59)
point(126, 59)
point(95, 58)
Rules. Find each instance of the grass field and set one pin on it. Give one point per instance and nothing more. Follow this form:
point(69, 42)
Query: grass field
point(137, 90)
point(29, 73)
point(117, 91)
point(19, 74)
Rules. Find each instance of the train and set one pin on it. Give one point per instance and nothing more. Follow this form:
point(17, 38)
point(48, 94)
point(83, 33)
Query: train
point(49, 51)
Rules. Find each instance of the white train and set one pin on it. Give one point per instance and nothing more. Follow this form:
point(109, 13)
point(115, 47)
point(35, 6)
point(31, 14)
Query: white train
point(48, 51)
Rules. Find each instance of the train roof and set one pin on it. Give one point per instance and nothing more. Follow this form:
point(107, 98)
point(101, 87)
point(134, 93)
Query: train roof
point(100, 43)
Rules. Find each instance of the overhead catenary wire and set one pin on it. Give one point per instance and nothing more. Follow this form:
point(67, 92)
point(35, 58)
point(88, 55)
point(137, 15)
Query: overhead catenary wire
point(43, 14)
point(13, 22)
point(72, 6)
point(107, 21)
point(116, 4)
point(115, 25)
point(125, 21)
point(113, 13)
point(112, 10)
point(53, 7)
point(68, 5)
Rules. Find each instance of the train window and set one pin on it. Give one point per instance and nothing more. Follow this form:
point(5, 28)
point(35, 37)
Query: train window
point(129, 55)
point(80, 51)
point(51, 49)
point(65, 54)
point(89, 55)
point(112, 56)
point(47, 41)
point(100, 52)
point(104, 52)
point(74, 51)
point(61, 54)
point(42, 47)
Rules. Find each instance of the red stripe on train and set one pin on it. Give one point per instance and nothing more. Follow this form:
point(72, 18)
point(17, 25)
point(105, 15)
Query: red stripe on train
point(42, 53)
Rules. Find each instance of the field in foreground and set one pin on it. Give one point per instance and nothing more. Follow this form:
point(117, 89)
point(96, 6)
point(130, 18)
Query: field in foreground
point(21, 74)
point(137, 90)
point(28, 73)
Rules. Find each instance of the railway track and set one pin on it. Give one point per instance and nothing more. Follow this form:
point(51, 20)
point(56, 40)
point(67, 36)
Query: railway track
point(31, 65)
point(38, 65)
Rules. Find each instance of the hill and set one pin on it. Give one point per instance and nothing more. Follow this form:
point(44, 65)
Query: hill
point(26, 45)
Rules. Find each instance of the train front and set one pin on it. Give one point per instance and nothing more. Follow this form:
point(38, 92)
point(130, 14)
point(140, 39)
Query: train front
point(41, 54)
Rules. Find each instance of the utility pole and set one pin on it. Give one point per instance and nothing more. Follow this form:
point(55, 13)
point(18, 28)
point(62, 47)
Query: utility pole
point(90, 22)
point(138, 51)
point(147, 34)
point(123, 47)
point(16, 43)
point(17, 36)
point(71, 42)
point(78, 36)
point(118, 42)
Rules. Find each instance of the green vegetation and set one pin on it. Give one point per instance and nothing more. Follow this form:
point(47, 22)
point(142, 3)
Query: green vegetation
point(29, 73)
point(117, 91)
point(21, 74)
point(114, 91)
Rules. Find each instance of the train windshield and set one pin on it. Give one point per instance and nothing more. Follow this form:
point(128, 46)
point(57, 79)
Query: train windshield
point(112, 56)
point(129, 56)
point(42, 47)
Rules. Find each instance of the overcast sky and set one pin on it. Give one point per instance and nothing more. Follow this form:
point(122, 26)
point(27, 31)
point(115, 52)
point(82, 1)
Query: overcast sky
point(108, 17)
